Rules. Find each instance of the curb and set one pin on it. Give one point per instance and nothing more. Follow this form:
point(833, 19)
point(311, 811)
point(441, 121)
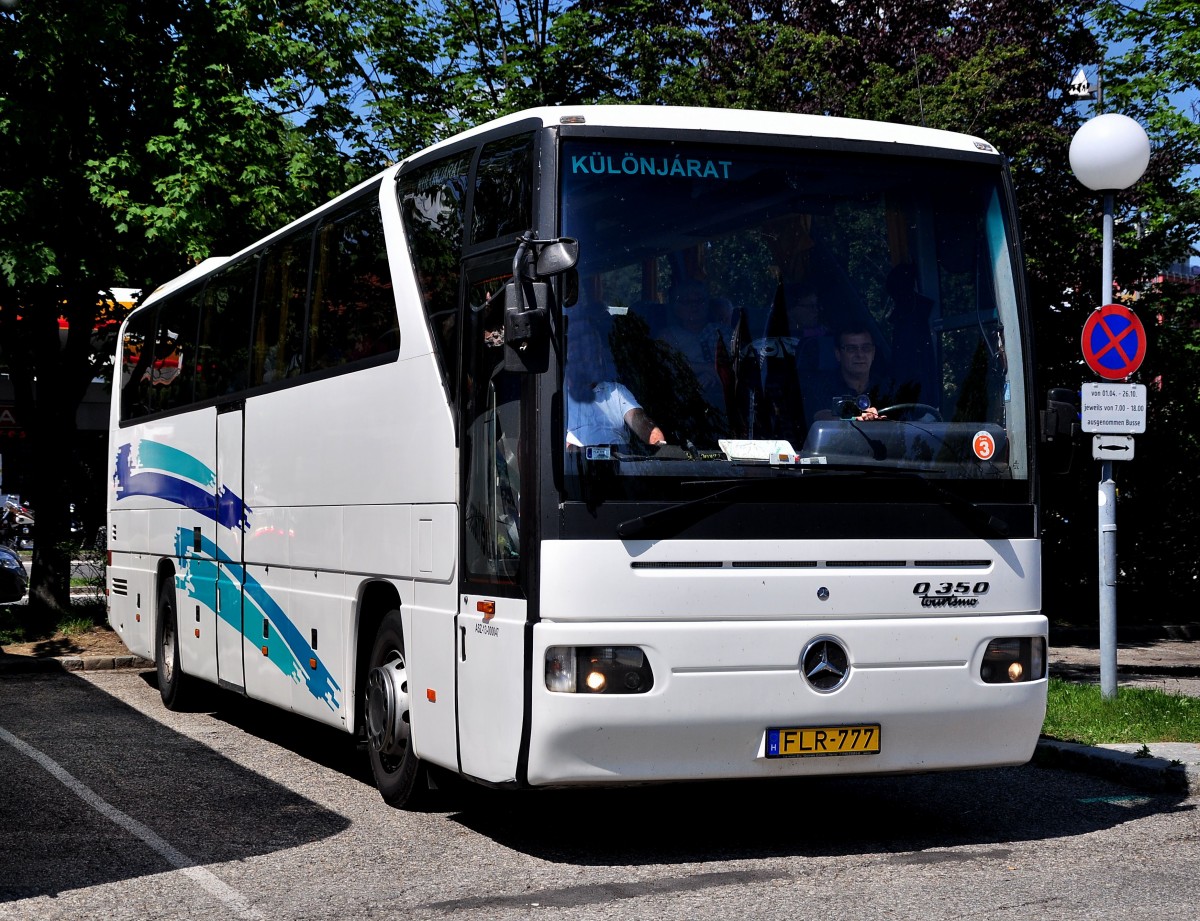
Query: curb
point(1162, 767)
point(102, 663)
point(10, 664)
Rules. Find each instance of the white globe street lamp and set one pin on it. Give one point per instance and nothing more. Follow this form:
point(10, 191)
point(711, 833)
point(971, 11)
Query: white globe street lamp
point(1108, 153)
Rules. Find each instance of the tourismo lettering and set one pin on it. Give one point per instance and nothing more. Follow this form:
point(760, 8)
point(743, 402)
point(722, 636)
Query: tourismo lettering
point(949, 602)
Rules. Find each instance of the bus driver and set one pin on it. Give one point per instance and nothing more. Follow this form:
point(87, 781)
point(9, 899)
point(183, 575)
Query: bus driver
point(598, 410)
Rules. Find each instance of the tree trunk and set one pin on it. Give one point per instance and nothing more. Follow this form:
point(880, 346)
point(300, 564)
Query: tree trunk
point(49, 379)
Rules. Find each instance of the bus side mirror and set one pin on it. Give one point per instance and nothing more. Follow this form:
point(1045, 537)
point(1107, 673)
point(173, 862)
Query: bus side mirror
point(526, 326)
point(1060, 427)
point(527, 301)
point(557, 256)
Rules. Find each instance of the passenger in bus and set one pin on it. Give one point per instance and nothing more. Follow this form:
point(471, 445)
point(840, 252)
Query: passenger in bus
point(851, 390)
point(600, 411)
point(697, 334)
point(913, 349)
point(810, 335)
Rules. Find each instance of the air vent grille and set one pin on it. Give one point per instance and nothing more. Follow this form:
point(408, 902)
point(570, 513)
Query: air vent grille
point(811, 564)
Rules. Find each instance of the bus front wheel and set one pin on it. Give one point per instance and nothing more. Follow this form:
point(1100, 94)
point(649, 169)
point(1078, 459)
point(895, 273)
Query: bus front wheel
point(398, 772)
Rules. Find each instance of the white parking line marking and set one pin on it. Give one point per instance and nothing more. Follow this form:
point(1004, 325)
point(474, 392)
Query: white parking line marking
point(229, 896)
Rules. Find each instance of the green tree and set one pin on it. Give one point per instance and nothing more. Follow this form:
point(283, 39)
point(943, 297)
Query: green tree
point(432, 70)
point(139, 136)
point(1154, 65)
point(998, 70)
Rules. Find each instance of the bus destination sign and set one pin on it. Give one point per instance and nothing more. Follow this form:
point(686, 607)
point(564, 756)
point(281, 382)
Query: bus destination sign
point(1112, 408)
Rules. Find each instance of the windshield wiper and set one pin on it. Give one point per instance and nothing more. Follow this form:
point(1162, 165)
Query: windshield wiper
point(678, 514)
point(664, 522)
point(966, 510)
point(673, 517)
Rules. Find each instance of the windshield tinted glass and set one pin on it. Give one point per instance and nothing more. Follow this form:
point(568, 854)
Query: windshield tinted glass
point(754, 306)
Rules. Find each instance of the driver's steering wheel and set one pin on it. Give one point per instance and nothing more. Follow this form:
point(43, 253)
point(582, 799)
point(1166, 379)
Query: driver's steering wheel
point(913, 408)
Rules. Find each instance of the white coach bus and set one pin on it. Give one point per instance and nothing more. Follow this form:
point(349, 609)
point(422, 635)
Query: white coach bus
point(605, 445)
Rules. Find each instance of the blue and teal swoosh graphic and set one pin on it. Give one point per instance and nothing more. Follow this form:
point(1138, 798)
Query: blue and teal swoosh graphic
point(167, 473)
point(206, 573)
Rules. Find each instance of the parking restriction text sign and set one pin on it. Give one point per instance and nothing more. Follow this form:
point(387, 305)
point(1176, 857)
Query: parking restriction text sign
point(1115, 409)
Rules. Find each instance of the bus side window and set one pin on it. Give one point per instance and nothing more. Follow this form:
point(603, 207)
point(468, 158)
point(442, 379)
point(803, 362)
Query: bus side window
point(174, 368)
point(503, 203)
point(280, 308)
point(137, 354)
point(432, 202)
point(222, 360)
point(353, 312)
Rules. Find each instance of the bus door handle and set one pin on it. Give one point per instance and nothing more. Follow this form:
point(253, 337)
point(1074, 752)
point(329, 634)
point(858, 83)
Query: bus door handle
point(463, 647)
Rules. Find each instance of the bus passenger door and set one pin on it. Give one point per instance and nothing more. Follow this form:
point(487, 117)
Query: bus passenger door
point(231, 521)
point(491, 623)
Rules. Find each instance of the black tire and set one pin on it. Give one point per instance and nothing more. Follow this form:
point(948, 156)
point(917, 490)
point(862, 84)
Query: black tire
point(176, 688)
point(399, 774)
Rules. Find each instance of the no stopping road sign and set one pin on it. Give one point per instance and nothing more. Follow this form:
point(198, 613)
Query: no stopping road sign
point(1114, 342)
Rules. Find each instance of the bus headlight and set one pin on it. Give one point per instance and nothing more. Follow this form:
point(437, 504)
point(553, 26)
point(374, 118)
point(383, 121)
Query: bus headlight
point(598, 670)
point(1011, 660)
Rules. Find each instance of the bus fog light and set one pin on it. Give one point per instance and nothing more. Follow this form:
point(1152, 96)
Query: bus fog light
point(560, 669)
point(1037, 658)
point(598, 670)
point(1013, 660)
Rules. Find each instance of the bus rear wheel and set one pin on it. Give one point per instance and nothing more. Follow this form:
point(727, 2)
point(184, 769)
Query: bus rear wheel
point(174, 686)
point(399, 774)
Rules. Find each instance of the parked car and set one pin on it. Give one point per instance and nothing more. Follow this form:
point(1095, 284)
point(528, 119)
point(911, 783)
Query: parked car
point(13, 581)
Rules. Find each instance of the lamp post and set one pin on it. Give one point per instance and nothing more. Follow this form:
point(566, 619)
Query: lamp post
point(1108, 153)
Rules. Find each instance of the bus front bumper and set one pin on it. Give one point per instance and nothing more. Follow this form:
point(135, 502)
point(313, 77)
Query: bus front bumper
point(718, 688)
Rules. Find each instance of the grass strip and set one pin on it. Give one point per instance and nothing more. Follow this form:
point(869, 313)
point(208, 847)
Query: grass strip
point(1076, 712)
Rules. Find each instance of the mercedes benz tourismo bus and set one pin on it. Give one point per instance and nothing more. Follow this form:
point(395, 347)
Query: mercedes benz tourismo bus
point(605, 445)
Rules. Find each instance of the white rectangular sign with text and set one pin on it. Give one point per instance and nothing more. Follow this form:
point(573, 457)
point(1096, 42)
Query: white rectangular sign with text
point(1116, 409)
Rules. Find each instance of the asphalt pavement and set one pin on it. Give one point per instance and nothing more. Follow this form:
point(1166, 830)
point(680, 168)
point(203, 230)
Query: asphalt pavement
point(1166, 658)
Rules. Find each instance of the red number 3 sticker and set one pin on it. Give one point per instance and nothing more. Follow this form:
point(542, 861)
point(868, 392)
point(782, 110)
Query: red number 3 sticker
point(984, 445)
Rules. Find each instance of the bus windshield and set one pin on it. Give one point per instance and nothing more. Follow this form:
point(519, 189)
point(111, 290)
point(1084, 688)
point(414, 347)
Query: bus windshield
point(745, 308)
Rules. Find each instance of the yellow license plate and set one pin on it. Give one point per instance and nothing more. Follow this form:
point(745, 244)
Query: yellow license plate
point(809, 741)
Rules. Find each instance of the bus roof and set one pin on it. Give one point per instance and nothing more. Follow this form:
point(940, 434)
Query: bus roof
point(675, 118)
point(746, 121)
point(180, 280)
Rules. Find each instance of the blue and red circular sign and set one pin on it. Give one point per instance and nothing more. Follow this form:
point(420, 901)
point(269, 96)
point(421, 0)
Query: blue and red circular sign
point(1114, 342)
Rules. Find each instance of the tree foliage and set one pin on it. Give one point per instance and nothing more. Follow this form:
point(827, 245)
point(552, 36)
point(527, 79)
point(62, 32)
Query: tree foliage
point(139, 137)
point(1154, 71)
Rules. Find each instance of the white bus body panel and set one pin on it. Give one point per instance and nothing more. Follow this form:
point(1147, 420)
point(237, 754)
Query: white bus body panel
point(725, 647)
point(430, 634)
point(345, 481)
point(597, 580)
point(154, 465)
